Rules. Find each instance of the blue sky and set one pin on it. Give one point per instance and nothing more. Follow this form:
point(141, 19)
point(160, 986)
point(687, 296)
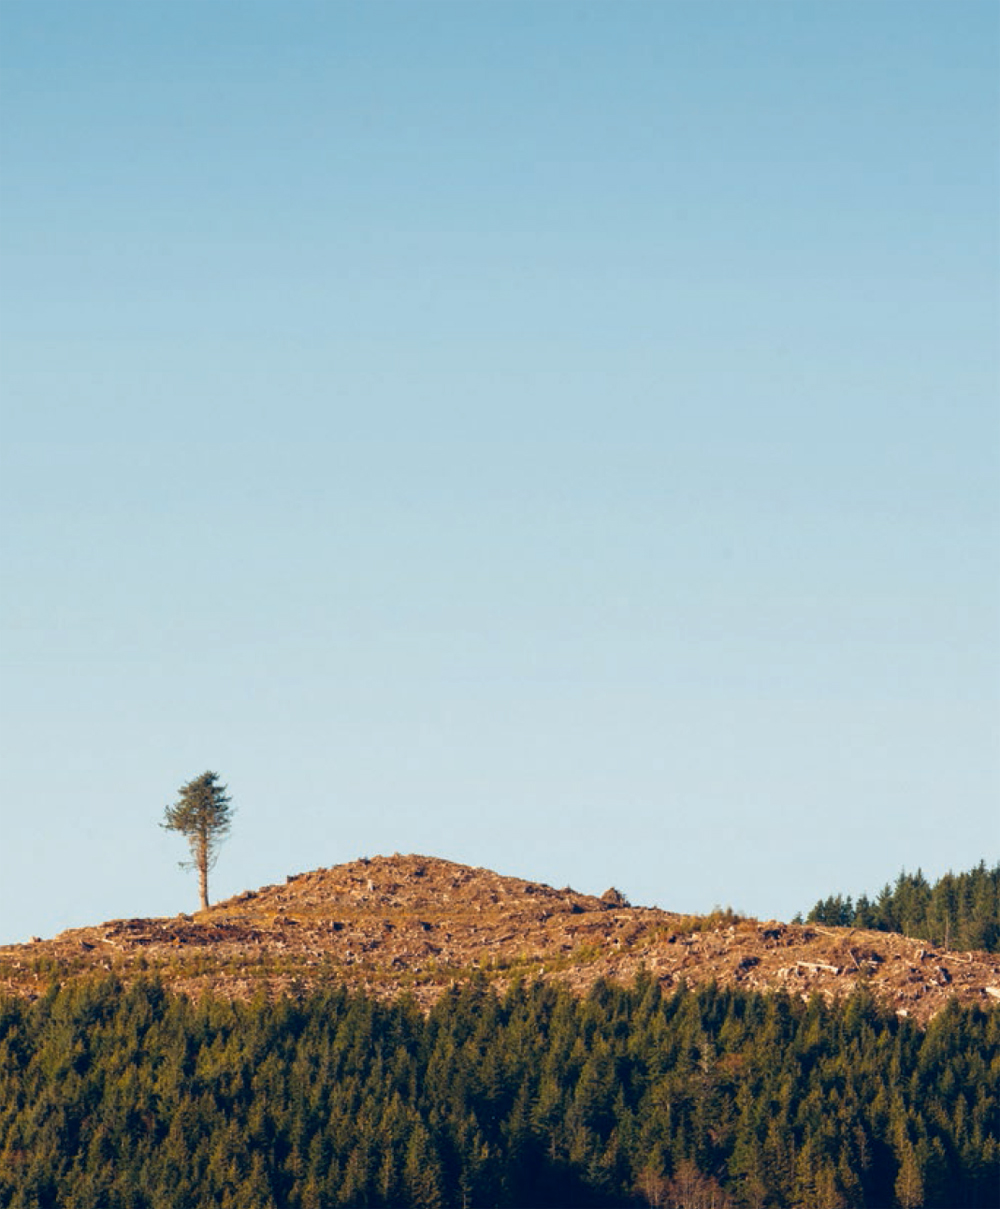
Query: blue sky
point(562, 438)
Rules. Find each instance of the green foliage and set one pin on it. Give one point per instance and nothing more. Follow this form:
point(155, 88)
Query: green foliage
point(960, 911)
point(203, 815)
point(717, 918)
point(142, 1099)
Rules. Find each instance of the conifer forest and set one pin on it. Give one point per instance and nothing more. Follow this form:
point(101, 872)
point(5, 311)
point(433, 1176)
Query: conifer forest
point(959, 911)
point(136, 1097)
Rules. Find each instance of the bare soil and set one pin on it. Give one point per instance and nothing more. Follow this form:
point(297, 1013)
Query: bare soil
point(419, 924)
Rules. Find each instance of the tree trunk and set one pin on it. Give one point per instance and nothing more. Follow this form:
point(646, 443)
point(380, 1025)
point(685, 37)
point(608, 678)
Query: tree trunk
point(203, 878)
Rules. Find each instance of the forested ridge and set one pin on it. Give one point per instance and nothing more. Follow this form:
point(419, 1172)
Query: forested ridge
point(959, 911)
point(134, 1096)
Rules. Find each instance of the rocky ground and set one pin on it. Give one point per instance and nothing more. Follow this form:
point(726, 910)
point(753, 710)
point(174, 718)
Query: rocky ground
point(419, 924)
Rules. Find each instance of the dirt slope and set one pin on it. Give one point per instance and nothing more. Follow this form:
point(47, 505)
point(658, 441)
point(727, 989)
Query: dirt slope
point(418, 924)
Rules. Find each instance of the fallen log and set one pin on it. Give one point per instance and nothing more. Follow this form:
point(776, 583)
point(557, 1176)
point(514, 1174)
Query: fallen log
point(816, 966)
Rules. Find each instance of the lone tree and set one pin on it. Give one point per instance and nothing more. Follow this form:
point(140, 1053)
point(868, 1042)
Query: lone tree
point(203, 816)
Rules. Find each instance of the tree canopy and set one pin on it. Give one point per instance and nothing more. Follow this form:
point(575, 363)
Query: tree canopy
point(137, 1098)
point(959, 911)
point(203, 815)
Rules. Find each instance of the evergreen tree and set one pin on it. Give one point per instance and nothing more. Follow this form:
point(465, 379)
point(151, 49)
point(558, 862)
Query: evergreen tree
point(119, 1099)
point(960, 911)
point(910, 1180)
point(422, 1171)
point(203, 815)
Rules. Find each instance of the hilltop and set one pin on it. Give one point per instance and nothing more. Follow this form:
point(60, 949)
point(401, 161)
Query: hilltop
point(420, 924)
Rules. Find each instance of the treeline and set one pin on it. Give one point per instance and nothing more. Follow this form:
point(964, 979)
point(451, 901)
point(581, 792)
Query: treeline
point(960, 911)
point(137, 1098)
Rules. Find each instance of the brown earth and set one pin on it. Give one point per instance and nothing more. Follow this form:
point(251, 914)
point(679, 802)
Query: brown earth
point(420, 924)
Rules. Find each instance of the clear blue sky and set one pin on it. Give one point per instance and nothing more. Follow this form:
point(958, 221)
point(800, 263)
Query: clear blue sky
point(562, 438)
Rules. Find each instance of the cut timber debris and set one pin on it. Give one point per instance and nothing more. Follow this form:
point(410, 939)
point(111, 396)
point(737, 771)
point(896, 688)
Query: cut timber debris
point(817, 966)
point(368, 925)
